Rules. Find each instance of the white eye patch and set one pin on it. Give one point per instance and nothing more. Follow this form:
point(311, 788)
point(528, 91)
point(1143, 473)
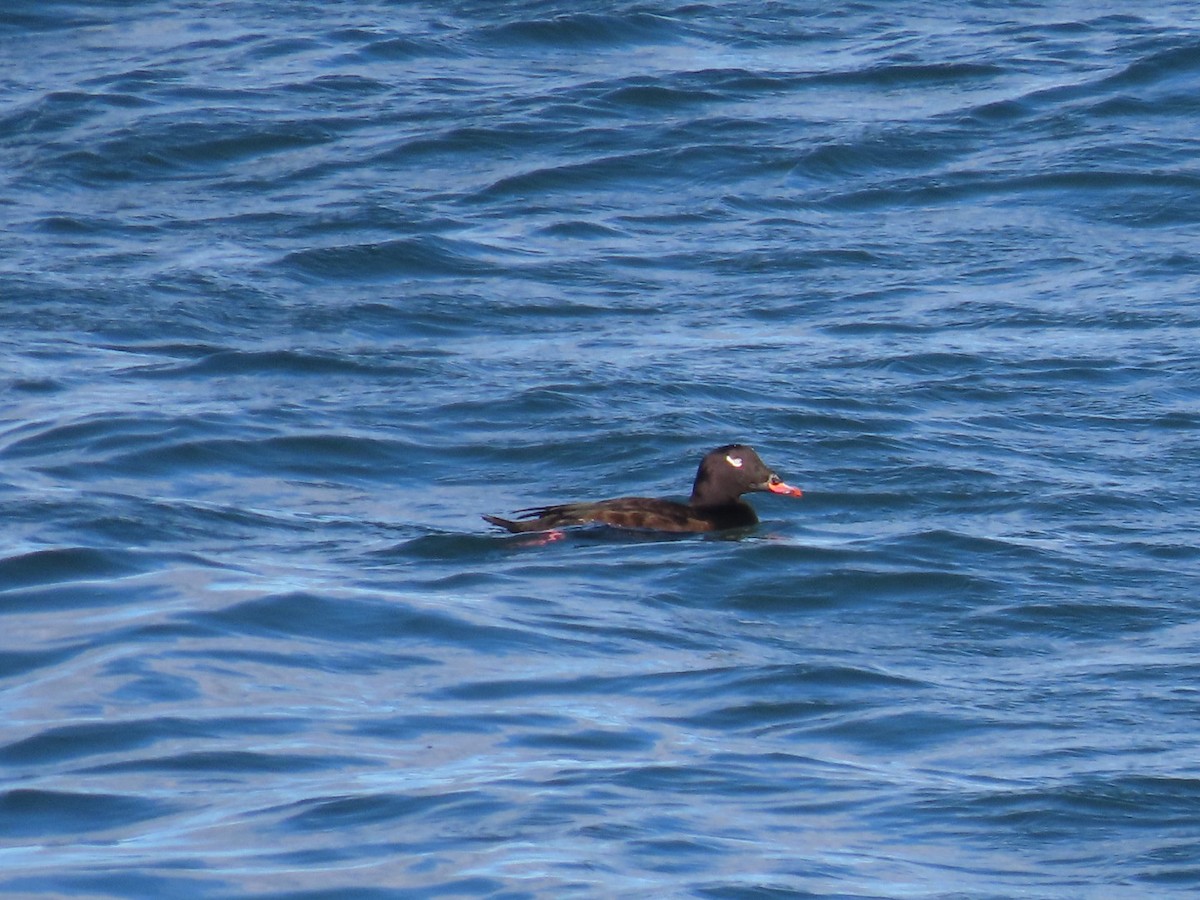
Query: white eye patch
point(735, 461)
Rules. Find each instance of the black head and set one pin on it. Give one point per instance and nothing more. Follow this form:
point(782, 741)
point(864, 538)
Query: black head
point(730, 471)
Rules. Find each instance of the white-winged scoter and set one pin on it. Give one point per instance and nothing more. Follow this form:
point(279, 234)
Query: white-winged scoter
point(715, 505)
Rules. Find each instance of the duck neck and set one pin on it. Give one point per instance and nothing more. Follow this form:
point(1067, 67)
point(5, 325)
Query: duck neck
point(704, 494)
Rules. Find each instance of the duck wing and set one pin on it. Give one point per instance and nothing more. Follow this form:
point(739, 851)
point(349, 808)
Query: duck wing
point(624, 512)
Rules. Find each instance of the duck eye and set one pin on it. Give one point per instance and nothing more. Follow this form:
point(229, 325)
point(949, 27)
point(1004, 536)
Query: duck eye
point(735, 461)
point(774, 479)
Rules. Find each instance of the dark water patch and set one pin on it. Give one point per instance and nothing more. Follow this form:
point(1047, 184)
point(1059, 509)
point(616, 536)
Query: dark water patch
point(590, 740)
point(581, 230)
point(566, 177)
point(33, 813)
point(347, 85)
point(97, 433)
point(579, 31)
point(1098, 807)
point(478, 886)
point(713, 682)
point(65, 565)
point(718, 779)
point(37, 385)
point(70, 225)
point(500, 690)
point(82, 740)
point(1084, 370)
point(338, 619)
point(238, 762)
point(307, 456)
point(18, 663)
point(375, 46)
point(323, 660)
point(732, 83)
point(116, 883)
point(427, 257)
point(320, 814)
point(856, 585)
point(483, 141)
point(898, 730)
point(906, 74)
point(284, 363)
point(120, 519)
point(1165, 65)
point(160, 150)
point(787, 578)
point(1128, 107)
point(262, 47)
point(415, 726)
point(142, 684)
point(84, 594)
point(443, 548)
point(205, 143)
point(818, 680)
point(621, 639)
point(678, 856)
point(974, 553)
point(1000, 112)
point(1084, 187)
point(762, 700)
point(1177, 420)
point(871, 154)
point(1065, 614)
point(755, 716)
point(140, 80)
point(63, 17)
point(645, 93)
point(241, 142)
point(794, 260)
point(751, 888)
point(653, 168)
point(59, 111)
point(419, 319)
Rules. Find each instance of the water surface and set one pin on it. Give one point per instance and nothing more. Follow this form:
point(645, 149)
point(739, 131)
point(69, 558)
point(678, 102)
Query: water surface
point(292, 294)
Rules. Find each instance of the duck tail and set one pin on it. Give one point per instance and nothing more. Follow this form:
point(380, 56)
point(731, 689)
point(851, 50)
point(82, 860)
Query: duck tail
point(508, 524)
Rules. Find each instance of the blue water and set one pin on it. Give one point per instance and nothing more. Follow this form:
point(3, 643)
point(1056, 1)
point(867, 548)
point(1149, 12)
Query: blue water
point(292, 293)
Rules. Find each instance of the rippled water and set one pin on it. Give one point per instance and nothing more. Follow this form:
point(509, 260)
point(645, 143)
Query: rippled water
point(292, 293)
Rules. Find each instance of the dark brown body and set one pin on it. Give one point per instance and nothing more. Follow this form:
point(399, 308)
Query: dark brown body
point(634, 512)
point(715, 505)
